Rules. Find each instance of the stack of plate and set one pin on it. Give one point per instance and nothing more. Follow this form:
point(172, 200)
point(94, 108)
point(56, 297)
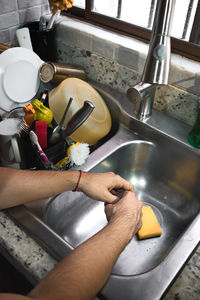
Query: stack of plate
point(19, 77)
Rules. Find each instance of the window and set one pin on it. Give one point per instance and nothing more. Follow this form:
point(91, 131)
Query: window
point(135, 17)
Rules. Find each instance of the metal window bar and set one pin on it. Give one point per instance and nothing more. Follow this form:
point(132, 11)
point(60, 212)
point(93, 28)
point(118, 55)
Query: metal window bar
point(179, 46)
point(89, 4)
point(187, 20)
point(151, 13)
point(195, 32)
point(119, 8)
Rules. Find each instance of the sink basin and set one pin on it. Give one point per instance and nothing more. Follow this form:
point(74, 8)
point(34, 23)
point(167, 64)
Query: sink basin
point(165, 171)
point(157, 183)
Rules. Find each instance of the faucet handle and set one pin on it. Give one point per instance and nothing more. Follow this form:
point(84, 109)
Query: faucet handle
point(142, 94)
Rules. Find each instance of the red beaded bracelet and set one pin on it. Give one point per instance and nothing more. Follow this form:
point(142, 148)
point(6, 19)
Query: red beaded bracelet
point(79, 178)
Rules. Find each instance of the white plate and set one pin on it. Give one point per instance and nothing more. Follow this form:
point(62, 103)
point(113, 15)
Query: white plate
point(19, 76)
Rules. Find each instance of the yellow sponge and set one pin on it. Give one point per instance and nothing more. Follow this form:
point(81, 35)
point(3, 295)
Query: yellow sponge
point(150, 226)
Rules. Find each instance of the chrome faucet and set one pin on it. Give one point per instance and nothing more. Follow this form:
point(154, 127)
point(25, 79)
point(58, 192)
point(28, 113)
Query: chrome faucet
point(156, 69)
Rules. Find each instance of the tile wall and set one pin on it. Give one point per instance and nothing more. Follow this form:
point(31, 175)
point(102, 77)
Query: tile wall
point(15, 13)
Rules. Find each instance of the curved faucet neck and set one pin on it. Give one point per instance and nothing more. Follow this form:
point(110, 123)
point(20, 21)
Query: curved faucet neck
point(156, 69)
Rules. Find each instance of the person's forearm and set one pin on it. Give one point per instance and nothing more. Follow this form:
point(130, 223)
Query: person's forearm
point(21, 186)
point(82, 274)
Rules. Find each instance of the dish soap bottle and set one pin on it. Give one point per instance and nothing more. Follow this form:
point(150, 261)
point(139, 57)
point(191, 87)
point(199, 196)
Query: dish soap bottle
point(194, 134)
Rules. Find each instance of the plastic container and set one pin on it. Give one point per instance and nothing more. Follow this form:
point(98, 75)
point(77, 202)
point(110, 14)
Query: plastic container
point(29, 114)
point(42, 113)
point(194, 134)
point(99, 122)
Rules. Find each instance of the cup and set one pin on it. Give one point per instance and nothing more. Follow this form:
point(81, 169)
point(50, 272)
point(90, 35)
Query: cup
point(10, 152)
point(57, 72)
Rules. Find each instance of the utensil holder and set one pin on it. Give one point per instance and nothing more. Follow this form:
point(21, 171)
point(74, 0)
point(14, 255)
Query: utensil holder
point(54, 154)
point(43, 42)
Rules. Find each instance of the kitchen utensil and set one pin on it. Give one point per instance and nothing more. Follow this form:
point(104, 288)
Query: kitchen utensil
point(56, 134)
point(98, 123)
point(44, 96)
point(3, 47)
point(77, 155)
point(79, 118)
point(56, 7)
point(35, 143)
point(52, 19)
point(23, 37)
point(42, 113)
point(29, 114)
point(9, 138)
point(56, 72)
point(19, 76)
point(42, 23)
point(16, 112)
point(24, 129)
point(60, 4)
point(41, 132)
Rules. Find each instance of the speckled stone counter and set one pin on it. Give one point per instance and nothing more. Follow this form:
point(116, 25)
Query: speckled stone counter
point(23, 252)
point(34, 262)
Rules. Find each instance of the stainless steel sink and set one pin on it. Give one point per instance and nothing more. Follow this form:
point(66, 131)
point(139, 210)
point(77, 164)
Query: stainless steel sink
point(165, 171)
point(158, 184)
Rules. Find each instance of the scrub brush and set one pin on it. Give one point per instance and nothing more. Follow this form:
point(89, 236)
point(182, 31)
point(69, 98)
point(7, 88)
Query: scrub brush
point(76, 155)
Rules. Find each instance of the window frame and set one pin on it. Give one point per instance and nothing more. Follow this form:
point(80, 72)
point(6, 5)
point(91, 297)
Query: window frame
point(178, 46)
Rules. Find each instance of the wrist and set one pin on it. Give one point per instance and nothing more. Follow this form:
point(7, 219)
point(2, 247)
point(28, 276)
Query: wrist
point(84, 182)
point(122, 229)
point(78, 182)
point(71, 179)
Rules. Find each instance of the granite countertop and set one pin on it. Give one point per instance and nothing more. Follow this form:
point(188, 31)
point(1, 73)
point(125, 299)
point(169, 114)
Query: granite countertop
point(34, 262)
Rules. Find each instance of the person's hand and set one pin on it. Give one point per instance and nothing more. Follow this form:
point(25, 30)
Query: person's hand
point(104, 187)
point(127, 211)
